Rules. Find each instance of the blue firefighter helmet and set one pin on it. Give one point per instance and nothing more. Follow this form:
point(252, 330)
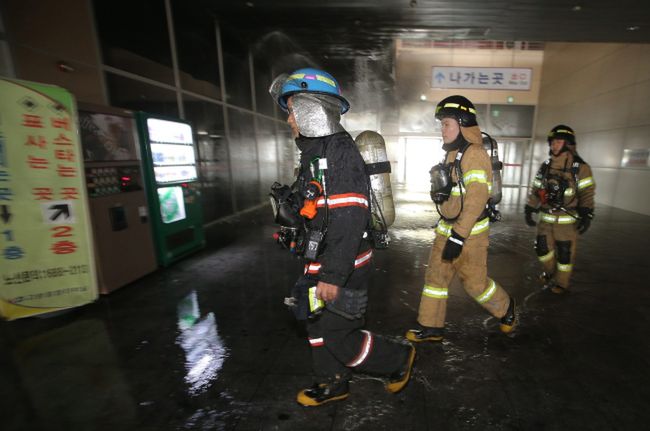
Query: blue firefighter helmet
point(310, 80)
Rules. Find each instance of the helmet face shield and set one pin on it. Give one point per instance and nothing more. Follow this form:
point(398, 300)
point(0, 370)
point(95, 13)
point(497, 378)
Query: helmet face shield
point(275, 90)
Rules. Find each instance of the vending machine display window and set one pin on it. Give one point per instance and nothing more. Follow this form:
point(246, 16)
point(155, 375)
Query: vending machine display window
point(172, 205)
point(172, 151)
point(174, 174)
point(172, 154)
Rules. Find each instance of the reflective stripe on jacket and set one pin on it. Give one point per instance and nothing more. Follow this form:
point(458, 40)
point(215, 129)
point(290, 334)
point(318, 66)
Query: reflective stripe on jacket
point(480, 226)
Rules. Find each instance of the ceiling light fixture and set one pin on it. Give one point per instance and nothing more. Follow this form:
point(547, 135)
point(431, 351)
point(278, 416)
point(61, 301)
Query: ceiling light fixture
point(633, 28)
point(576, 8)
point(438, 32)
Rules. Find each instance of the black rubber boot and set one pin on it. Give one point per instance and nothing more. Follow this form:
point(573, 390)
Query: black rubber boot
point(558, 289)
point(509, 320)
point(334, 389)
point(424, 333)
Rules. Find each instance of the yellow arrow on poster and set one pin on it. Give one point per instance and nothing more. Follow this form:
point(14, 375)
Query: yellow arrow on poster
point(46, 251)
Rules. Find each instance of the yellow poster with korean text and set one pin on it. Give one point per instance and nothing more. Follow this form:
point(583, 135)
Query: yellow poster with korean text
point(46, 252)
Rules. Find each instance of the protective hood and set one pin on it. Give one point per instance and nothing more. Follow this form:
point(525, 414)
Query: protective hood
point(573, 149)
point(316, 115)
point(467, 135)
point(472, 134)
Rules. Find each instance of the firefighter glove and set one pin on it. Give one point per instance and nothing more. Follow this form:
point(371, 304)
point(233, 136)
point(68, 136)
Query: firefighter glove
point(529, 215)
point(453, 246)
point(586, 214)
point(303, 302)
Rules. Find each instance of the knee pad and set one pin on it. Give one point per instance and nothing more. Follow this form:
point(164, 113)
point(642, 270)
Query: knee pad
point(563, 252)
point(541, 246)
point(351, 303)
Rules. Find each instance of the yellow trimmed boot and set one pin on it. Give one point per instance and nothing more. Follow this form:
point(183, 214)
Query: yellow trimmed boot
point(558, 289)
point(335, 389)
point(398, 380)
point(509, 320)
point(425, 334)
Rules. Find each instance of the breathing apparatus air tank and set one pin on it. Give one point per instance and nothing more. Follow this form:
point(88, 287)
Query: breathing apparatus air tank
point(490, 145)
point(372, 147)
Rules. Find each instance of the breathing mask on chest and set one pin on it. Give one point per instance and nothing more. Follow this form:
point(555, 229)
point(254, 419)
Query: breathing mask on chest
point(553, 192)
point(441, 182)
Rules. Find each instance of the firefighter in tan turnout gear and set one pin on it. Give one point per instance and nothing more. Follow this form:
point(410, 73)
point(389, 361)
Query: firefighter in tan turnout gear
point(563, 193)
point(460, 188)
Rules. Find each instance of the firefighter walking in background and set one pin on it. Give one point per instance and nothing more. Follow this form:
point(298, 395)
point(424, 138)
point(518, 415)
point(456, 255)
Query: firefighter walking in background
point(563, 194)
point(327, 214)
point(460, 188)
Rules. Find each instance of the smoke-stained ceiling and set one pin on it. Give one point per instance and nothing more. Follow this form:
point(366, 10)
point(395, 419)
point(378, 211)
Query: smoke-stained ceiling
point(338, 30)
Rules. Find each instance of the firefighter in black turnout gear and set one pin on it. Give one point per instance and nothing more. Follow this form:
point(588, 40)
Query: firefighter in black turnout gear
point(333, 193)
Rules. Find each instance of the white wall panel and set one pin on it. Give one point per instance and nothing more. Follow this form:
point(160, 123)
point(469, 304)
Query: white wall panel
point(603, 92)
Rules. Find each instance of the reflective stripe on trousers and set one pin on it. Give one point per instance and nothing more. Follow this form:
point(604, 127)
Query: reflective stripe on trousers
point(366, 347)
point(488, 293)
point(548, 256)
point(435, 292)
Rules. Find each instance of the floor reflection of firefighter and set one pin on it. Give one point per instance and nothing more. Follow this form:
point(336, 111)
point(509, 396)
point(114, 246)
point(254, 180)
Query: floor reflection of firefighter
point(461, 189)
point(563, 193)
point(326, 219)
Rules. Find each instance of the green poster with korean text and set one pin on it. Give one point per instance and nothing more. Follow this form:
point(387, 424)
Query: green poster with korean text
point(46, 252)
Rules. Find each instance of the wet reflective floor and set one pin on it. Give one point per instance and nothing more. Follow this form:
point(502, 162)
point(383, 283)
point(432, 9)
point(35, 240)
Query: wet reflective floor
point(208, 344)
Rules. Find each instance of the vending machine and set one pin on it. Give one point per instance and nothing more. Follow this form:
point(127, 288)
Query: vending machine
point(124, 247)
point(171, 175)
